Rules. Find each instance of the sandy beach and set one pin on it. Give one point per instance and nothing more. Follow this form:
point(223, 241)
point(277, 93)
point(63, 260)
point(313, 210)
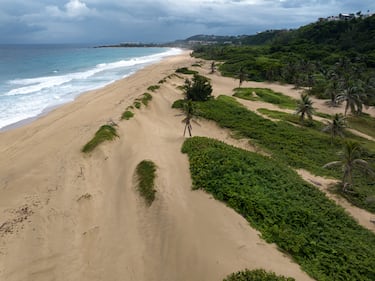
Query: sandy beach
point(68, 216)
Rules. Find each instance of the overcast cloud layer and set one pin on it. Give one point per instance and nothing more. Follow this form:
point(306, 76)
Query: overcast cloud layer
point(113, 21)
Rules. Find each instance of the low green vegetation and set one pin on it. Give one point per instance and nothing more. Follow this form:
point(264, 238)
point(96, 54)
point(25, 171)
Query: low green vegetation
point(256, 275)
point(292, 118)
point(146, 98)
point(185, 70)
point(137, 104)
point(178, 104)
point(266, 95)
point(105, 133)
point(146, 173)
point(301, 220)
point(127, 115)
point(300, 147)
point(363, 123)
point(153, 88)
point(162, 81)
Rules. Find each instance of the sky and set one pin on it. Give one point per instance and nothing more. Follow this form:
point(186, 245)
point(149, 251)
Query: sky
point(116, 21)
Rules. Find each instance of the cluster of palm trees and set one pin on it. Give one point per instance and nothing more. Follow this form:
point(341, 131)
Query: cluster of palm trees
point(350, 155)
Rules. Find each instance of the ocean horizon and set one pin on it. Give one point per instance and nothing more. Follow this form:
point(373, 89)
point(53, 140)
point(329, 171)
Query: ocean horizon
point(36, 78)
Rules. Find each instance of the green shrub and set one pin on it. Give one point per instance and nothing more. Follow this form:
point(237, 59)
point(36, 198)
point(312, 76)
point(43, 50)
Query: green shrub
point(146, 173)
point(146, 98)
point(256, 275)
point(127, 115)
point(153, 88)
point(185, 70)
point(178, 104)
point(300, 219)
point(105, 132)
point(137, 104)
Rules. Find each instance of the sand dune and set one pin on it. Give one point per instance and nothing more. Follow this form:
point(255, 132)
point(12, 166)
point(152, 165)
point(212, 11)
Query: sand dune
point(69, 216)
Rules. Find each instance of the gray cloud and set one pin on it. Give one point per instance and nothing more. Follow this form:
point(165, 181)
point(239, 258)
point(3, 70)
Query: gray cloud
point(50, 21)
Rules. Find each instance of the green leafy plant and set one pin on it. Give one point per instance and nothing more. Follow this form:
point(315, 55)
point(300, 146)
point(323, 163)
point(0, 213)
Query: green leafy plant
point(300, 219)
point(127, 115)
point(153, 88)
point(185, 70)
point(105, 133)
point(146, 173)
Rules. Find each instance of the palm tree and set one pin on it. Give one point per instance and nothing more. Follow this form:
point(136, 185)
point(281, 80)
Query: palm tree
point(189, 112)
point(213, 67)
point(241, 75)
point(334, 86)
point(350, 160)
point(353, 97)
point(304, 107)
point(336, 126)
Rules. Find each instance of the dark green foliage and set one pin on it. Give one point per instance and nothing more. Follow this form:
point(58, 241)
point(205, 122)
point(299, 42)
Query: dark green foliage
point(137, 104)
point(300, 147)
point(301, 220)
point(256, 275)
point(266, 95)
point(185, 70)
point(127, 115)
point(178, 104)
point(146, 173)
point(105, 132)
point(197, 89)
point(153, 88)
point(304, 107)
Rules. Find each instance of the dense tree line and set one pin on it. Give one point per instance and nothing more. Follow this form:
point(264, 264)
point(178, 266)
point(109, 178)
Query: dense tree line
point(334, 60)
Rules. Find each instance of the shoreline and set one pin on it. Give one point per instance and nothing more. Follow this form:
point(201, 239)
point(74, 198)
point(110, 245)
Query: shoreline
point(47, 110)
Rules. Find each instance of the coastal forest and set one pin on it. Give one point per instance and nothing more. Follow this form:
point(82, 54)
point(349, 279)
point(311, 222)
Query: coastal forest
point(326, 57)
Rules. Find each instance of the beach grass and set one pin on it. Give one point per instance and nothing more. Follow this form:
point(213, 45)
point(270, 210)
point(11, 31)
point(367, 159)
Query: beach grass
point(185, 70)
point(105, 133)
point(146, 173)
point(127, 115)
point(266, 95)
point(153, 88)
point(137, 104)
point(146, 98)
point(319, 235)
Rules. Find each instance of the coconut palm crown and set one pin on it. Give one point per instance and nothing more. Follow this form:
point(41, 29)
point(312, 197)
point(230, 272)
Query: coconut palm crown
point(304, 107)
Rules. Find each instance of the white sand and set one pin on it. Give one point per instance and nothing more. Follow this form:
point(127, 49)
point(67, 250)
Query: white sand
point(68, 216)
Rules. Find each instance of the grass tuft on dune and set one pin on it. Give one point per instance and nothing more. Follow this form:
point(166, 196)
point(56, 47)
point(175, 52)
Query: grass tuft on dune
point(105, 133)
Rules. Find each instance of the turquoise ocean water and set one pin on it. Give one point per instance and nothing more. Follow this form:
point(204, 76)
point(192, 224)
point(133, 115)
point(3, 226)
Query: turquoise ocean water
point(35, 78)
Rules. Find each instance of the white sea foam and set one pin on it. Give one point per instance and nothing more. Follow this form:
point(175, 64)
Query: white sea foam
point(27, 98)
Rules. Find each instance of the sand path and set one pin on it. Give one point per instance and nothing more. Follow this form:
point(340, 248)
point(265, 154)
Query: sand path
point(67, 216)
